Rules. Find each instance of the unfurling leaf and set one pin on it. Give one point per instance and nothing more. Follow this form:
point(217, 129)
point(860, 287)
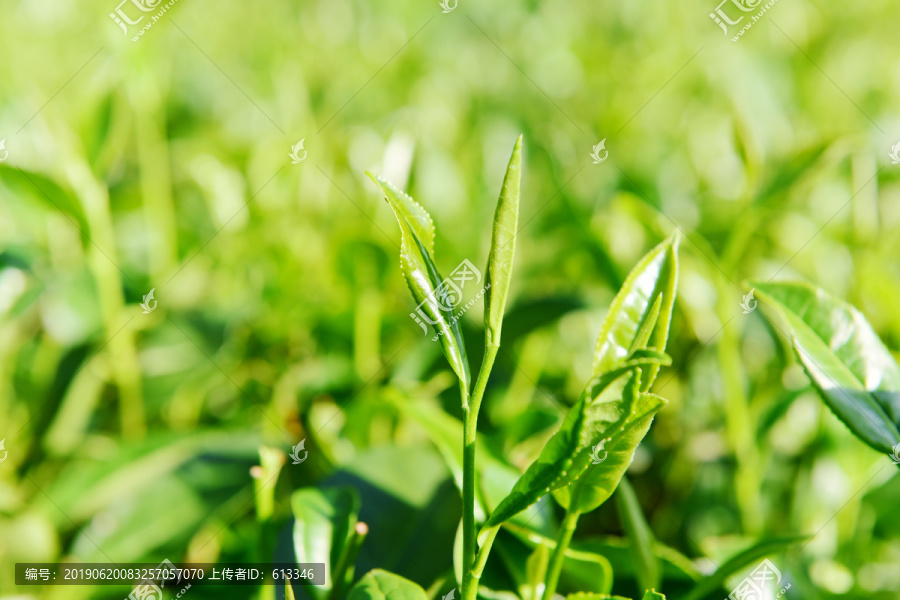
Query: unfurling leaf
point(848, 364)
point(422, 277)
point(381, 585)
point(503, 248)
point(641, 312)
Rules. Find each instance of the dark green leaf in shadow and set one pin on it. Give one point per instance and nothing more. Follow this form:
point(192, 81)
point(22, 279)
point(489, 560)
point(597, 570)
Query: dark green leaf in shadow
point(324, 524)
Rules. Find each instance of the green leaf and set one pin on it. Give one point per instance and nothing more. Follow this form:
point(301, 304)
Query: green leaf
point(593, 596)
point(654, 279)
point(422, 277)
point(653, 595)
point(536, 571)
point(640, 537)
point(503, 248)
point(601, 413)
point(716, 581)
point(848, 364)
point(599, 481)
point(324, 524)
point(381, 585)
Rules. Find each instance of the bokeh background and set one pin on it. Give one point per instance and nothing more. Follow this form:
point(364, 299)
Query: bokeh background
point(282, 314)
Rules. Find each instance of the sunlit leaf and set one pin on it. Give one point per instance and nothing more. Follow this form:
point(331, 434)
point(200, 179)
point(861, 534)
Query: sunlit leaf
point(653, 595)
point(381, 585)
point(599, 481)
point(654, 277)
point(503, 248)
point(601, 413)
point(848, 364)
point(422, 277)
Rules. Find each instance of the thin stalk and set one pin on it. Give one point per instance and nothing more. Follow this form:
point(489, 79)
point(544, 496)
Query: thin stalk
point(470, 582)
point(482, 556)
point(559, 553)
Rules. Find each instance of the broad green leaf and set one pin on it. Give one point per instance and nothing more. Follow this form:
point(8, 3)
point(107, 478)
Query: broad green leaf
point(324, 523)
point(599, 481)
point(422, 277)
point(640, 537)
point(653, 595)
point(503, 248)
point(655, 276)
point(601, 413)
point(848, 364)
point(716, 581)
point(381, 585)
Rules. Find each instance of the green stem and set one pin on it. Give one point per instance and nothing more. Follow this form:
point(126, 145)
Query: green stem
point(559, 553)
point(482, 556)
point(470, 582)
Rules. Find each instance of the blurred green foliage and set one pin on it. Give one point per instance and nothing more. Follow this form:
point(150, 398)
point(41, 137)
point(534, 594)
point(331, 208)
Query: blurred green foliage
point(282, 315)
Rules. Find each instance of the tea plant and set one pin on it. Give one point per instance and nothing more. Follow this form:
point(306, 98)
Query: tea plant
point(613, 413)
